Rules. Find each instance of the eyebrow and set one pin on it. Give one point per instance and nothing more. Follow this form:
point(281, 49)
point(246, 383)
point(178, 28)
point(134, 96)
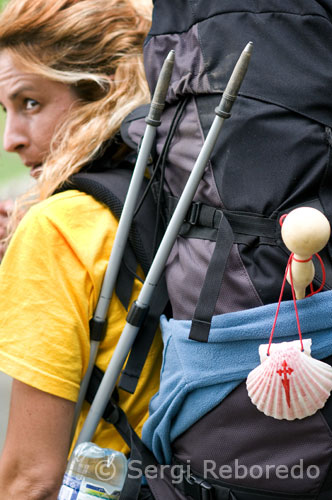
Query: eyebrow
point(19, 90)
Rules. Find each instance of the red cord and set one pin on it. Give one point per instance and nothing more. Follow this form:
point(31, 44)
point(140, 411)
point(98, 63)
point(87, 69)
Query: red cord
point(295, 306)
point(288, 267)
point(279, 302)
point(300, 260)
point(323, 278)
point(282, 218)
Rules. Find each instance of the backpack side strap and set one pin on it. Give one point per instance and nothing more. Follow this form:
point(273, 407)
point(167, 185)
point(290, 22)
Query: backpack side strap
point(206, 304)
point(202, 221)
point(140, 456)
point(110, 187)
point(139, 352)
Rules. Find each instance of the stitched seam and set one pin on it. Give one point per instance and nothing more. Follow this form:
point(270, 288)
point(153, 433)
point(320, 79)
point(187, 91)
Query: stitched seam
point(286, 13)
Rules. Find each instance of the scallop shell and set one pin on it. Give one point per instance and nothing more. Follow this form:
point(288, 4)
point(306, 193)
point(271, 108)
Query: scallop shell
point(288, 383)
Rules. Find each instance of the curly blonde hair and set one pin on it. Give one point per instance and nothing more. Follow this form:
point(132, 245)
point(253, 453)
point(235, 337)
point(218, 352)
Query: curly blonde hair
point(94, 46)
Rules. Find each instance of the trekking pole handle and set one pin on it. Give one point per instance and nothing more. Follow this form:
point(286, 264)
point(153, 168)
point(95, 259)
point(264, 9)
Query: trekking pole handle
point(130, 330)
point(233, 86)
point(159, 95)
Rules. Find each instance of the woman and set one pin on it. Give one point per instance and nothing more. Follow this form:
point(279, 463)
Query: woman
point(70, 70)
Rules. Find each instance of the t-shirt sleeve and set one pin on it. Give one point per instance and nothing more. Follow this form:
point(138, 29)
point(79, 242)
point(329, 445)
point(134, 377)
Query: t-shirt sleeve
point(45, 308)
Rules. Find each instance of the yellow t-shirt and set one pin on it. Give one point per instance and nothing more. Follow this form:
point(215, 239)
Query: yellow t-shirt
point(50, 280)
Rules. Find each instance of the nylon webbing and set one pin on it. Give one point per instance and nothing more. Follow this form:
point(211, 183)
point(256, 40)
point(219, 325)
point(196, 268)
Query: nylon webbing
point(125, 279)
point(138, 453)
point(139, 352)
point(206, 304)
point(204, 217)
point(95, 380)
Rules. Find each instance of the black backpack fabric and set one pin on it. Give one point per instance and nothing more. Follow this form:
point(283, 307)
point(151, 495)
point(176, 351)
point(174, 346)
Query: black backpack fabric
point(273, 155)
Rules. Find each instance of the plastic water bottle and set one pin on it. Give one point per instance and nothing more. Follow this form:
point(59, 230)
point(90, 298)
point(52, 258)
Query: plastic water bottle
point(93, 472)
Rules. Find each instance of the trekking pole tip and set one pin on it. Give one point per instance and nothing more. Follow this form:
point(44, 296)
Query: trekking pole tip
point(159, 96)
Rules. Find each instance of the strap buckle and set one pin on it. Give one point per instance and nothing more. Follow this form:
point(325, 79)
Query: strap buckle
point(193, 213)
point(111, 413)
point(205, 489)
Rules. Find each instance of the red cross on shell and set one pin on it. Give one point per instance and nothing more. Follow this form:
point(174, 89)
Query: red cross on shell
point(284, 372)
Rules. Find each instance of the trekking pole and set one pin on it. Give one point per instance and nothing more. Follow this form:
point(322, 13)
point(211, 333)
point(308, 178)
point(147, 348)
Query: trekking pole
point(99, 321)
point(140, 307)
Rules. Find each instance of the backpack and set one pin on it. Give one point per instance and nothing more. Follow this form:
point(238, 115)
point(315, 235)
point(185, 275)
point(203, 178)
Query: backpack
point(225, 271)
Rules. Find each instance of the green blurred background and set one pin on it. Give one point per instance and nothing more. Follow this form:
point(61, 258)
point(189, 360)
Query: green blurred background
point(10, 164)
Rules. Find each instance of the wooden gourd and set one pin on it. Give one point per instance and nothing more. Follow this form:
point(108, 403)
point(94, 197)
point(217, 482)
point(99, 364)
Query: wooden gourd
point(305, 231)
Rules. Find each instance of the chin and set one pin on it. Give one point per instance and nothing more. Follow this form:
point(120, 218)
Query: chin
point(35, 172)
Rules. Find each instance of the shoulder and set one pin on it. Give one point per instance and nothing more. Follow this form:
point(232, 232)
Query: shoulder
point(66, 206)
point(71, 221)
point(69, 212)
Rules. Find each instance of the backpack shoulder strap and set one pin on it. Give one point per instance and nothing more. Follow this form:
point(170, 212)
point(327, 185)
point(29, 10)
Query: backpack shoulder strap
point(110, 186)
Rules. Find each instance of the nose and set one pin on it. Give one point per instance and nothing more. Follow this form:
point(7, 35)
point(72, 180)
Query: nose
point(15, 137)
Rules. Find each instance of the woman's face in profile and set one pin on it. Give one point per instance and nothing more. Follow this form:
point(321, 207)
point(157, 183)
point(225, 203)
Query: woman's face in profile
point(35, 106)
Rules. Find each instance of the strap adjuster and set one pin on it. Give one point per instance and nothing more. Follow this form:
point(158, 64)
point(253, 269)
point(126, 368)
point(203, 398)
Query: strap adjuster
point(206, 490)
point(193, 213)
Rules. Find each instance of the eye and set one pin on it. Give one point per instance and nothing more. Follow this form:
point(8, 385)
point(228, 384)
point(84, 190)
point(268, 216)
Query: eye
point(30, 103)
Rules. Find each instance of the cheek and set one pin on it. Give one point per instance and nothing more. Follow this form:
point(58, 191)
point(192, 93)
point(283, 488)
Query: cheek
point(43, 136)
point(46, 126)
point(59, 114)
